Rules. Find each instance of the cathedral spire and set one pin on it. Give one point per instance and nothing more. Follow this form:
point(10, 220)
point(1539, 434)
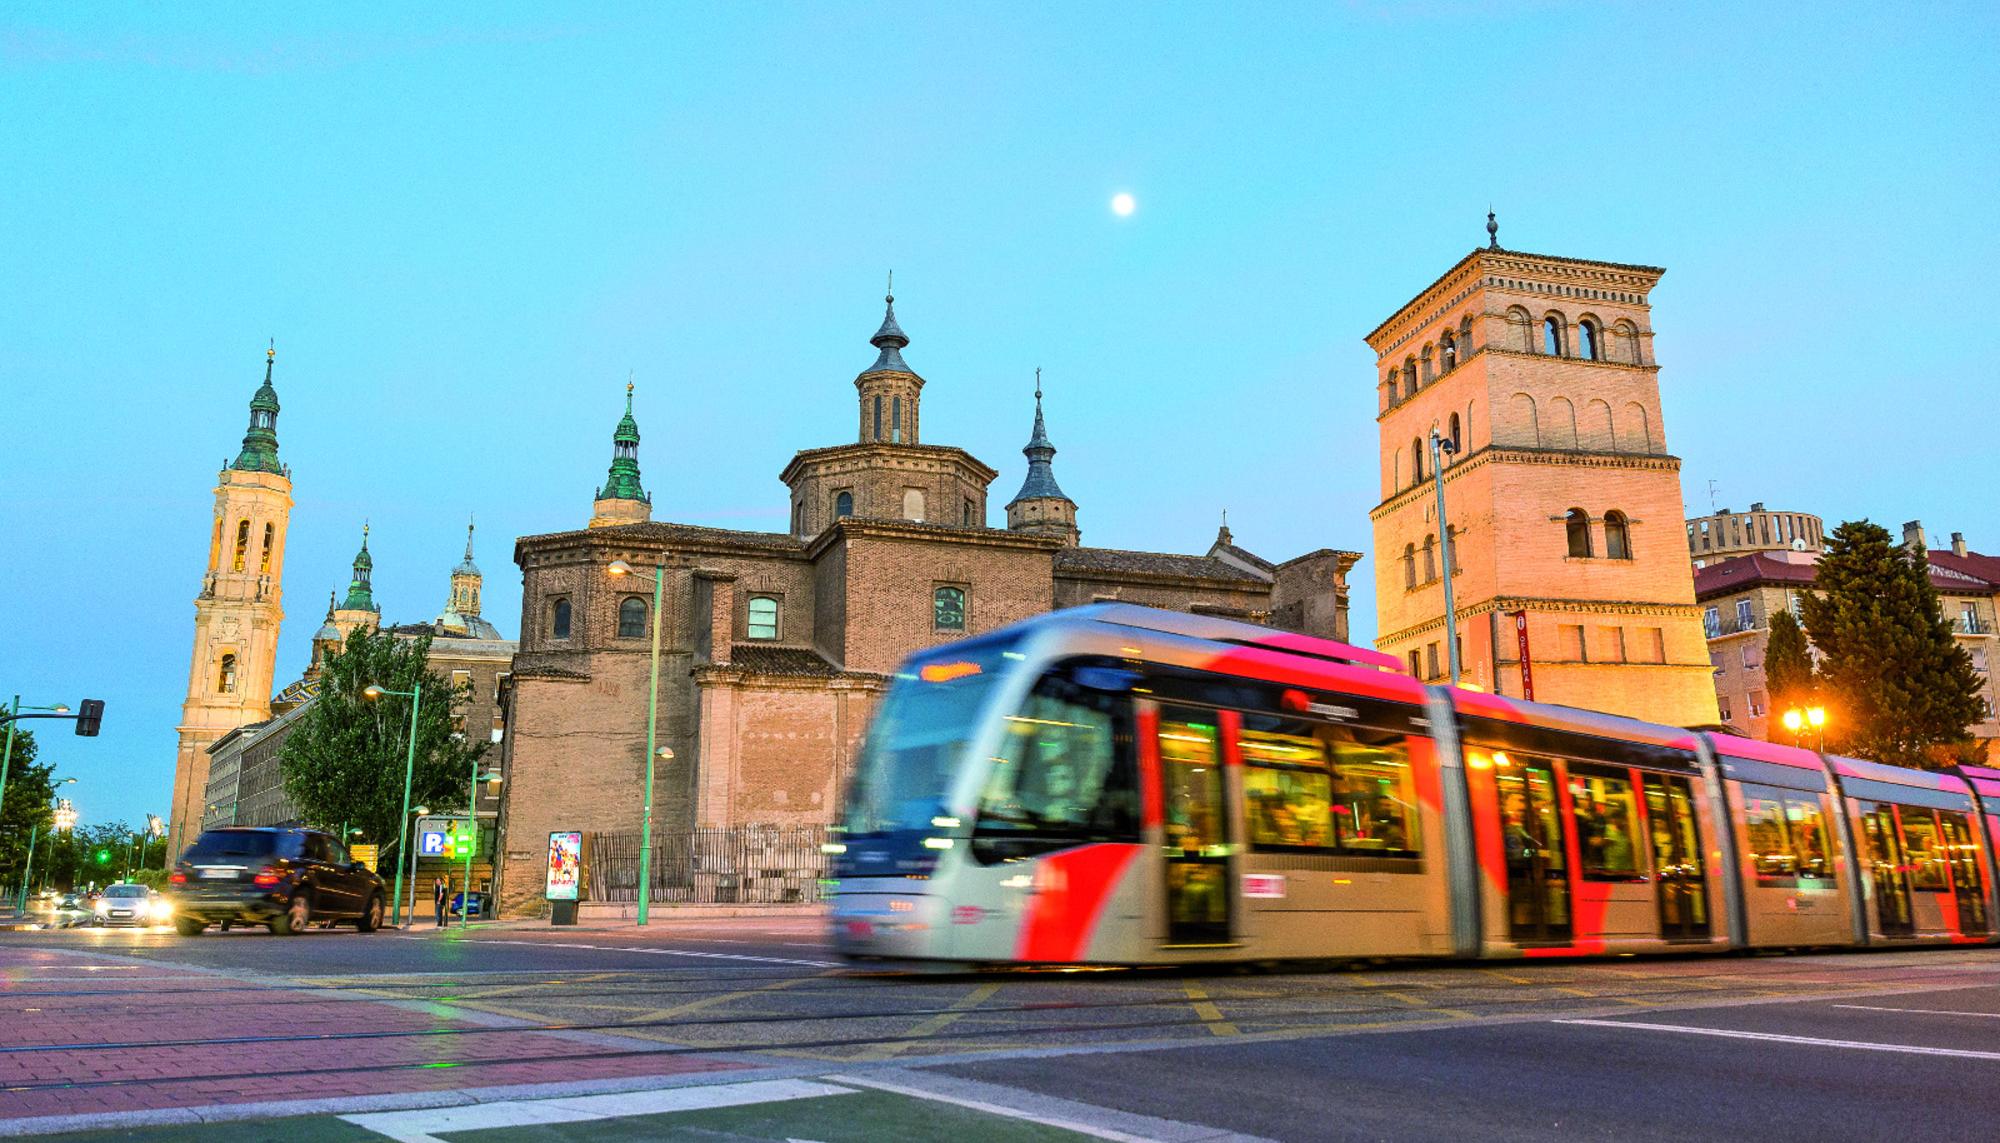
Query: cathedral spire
point(890, 339)
point(360, 593)
point(1040, 506)
point(468, 567)
point(623, 482)
point(260, 443)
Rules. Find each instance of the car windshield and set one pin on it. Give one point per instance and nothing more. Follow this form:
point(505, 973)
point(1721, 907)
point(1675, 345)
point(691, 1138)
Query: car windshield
point(229, 846)
point(916, 740)
point(126, 891)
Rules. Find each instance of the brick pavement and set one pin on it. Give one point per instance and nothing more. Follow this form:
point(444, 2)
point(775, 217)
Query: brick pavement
point(84, 1033)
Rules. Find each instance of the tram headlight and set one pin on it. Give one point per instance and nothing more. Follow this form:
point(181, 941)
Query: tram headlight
point(939, 843)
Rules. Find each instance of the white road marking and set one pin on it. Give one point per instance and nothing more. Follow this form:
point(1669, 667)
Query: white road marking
point(425, 1126)
point(1809, 1041)
point(658, 952)
point(992, 1109)
point(1920, 1011)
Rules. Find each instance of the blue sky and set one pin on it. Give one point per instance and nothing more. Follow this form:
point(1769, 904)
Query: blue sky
point(464, 227)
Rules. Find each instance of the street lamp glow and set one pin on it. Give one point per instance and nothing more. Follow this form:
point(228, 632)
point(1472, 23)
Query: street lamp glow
point(60, 708)
point(1794, 720)
point(666, 753)
point(1816, 716)
point(372, 691)
point(619, 567)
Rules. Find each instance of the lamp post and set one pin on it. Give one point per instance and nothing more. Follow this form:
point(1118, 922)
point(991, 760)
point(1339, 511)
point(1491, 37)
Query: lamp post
point(413, 813)
point(415, 695)
point(472, 828)
point(620, 567)
point(1798, 718)
point(7, 753)
point(1441, 447)
point(63, 821)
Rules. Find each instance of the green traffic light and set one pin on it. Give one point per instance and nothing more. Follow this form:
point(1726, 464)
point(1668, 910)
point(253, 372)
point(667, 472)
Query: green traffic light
point(104, 857)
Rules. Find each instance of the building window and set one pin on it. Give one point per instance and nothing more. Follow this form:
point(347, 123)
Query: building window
point(1409, 565)
point(968, 512)
point(1552, 336)
point(948, 609)
point(763, 622)
point(1749, 656)
point(225, 679)
point(1722, 707)
point(1756, 704)
point(1409, 377)
point(559, 619)
point(631, 617)
point(461, 686)
point(242, 544)
point(878, 419)
point(1979, 658)
point(1416, 460)
point(896, 420)
point(1586, 340)
point(1576, 524)
point(1448, 351)
point(1430, 559)
point(1456, 443)
point(1431, 660)
point(1617, 536)
point(264, 562)
point(1451, 549)
point(913, 504)
point(1711, 622)
point(1416, 665)
point(1573, 650)
point(843, 504)
point(1744, 619)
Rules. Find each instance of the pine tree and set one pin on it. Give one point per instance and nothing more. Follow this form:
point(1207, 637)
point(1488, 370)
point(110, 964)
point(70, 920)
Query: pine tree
point(1788, 670)
point(344, 761)
point(1897, 685)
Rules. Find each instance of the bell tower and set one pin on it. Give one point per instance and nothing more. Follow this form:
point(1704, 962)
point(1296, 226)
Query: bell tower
point(1562, 505)
point(237, 613)
point(623, 499)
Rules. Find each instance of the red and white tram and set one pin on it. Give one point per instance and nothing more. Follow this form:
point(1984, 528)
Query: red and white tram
point(1114, 784)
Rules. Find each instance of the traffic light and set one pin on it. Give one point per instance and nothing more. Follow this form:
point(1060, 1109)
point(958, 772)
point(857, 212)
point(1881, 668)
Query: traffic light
point(104, 857)
point(89, 716)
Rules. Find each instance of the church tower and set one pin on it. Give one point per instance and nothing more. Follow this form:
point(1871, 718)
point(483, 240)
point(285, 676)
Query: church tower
point(237, 614)
point(623, 499)
point(465, 584)
point(1562, 504)
point(358, 609)
point(1040, 506)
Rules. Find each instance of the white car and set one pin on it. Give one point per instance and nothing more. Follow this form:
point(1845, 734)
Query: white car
point(129, 904)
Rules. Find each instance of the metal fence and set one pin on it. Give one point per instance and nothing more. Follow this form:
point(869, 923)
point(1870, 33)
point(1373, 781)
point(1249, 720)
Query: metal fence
point(736, 865)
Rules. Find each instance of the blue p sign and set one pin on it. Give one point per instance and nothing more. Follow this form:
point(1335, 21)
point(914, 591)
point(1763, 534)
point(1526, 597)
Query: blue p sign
point(430, 843)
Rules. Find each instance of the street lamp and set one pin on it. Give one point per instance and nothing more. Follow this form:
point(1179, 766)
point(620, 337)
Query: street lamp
point(415, 695)
point(1798, 718)
point(472, 830)
point(65, 819)
point(412, 813)
point(621, 568)
point(1441, 447)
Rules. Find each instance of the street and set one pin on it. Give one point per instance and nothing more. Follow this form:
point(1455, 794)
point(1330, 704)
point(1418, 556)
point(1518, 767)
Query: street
point(750, 1028)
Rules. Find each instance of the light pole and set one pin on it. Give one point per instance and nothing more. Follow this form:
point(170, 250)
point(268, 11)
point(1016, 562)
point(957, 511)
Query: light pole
point(620, 567)
point(14, 716)
point(1798, 718)
point(472, 829)
point(413, 814)
point(63, 821)
point(415, 695)
point(1441, 447)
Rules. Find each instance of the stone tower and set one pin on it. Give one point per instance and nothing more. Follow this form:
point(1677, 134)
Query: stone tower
point(359, 608)
point(1562, 504)
point(465, 584)
point(237, 614)
point(889, 390)
point(1040, 506)
point(623, 499)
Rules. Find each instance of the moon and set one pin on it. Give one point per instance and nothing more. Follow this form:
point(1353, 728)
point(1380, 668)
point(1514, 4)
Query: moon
point(1123, 204)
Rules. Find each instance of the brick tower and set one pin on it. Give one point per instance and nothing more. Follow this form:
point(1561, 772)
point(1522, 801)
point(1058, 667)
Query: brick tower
point(1040, 506)
point(1562, 504)
point(236, 616)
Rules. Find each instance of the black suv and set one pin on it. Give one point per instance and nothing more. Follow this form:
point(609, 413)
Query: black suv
point(283, 878)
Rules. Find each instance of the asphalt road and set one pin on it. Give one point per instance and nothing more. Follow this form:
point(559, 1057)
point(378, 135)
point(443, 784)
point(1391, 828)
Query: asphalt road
point(1822, 1047)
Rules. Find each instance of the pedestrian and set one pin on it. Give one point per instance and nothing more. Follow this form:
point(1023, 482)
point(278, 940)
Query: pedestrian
point(439, 893)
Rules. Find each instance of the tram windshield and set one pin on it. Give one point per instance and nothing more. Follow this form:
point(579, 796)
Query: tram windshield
point(917, 740)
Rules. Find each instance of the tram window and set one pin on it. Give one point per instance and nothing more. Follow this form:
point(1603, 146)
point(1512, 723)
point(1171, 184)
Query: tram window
point(1787, 835)
point(1313, 786)
point(1064, 775)
point(1921, 849)
point(1607, 825)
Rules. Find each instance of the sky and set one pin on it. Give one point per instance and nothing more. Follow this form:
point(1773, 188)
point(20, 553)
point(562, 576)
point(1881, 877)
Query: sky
point(465, 227)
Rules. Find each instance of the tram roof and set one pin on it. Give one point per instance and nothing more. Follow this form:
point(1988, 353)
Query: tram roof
point(1897, 775)
point(1576, 720)
point(1984, 779)
point(1756, 750)
point(1219, 630)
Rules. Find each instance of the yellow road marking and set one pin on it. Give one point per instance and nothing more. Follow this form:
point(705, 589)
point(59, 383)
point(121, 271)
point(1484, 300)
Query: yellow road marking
point(1207, 1011)
point(931, 1027)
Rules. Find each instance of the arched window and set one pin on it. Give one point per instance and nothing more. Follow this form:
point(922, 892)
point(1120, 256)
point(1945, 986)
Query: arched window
point(1409, 565)
point(1457, 444)
point(1417, 461)
point(631, 617)
point(1617, 536)
point(215, 547)
point(1465, 337)
point(1447, 351)
point(1586, 340)
point(1430, 559)
point(1552, 336)
point(1451, 549)
point(878, 418)
point(896, 419)
point(913, 504)
point(1577, 525)
point(264, 563)
point(1426, 372)
point(843, 504)
point(225, 679)
point(1409, 377)
point(559, 619)
point(242, 544)
point(763, 621)
point(948, 609)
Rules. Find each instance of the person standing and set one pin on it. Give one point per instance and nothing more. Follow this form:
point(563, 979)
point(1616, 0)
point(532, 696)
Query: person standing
point(440, 892)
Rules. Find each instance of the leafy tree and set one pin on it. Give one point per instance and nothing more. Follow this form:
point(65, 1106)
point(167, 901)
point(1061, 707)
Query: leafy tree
point(1788, 669)
point(1896, 682)
point(344, 760)
point(30, 786)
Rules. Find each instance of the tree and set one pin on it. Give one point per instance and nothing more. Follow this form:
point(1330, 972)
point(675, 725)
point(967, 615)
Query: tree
point(1788, 669)
point(343, 762)
point(1896, 682)
point(25, 811)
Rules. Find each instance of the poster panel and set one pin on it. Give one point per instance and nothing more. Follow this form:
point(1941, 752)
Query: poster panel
point(565, 871)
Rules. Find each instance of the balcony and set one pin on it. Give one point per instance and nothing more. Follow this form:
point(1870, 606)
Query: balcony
point(1972, 625)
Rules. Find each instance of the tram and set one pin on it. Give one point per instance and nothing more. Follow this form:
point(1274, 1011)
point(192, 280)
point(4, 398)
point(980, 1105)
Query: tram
point(1119, 785)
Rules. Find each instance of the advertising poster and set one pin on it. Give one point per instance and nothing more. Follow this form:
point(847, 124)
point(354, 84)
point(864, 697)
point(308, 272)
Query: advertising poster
point(565, 866)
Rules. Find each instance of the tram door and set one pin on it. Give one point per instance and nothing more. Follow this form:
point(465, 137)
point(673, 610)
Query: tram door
point(1888, 870)
point(1670, 810)
point(1967, 885)
point(1197, 824)
point(1531, 824)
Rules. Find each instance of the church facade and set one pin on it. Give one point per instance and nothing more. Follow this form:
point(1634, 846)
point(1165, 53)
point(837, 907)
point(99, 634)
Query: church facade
point(775, 647)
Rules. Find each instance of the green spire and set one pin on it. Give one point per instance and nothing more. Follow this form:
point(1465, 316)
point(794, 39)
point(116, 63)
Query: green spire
point(623, 483)
point(260, 444)
point(360, 596)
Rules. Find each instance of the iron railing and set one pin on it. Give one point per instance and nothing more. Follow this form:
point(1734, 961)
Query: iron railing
point(735, 865)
